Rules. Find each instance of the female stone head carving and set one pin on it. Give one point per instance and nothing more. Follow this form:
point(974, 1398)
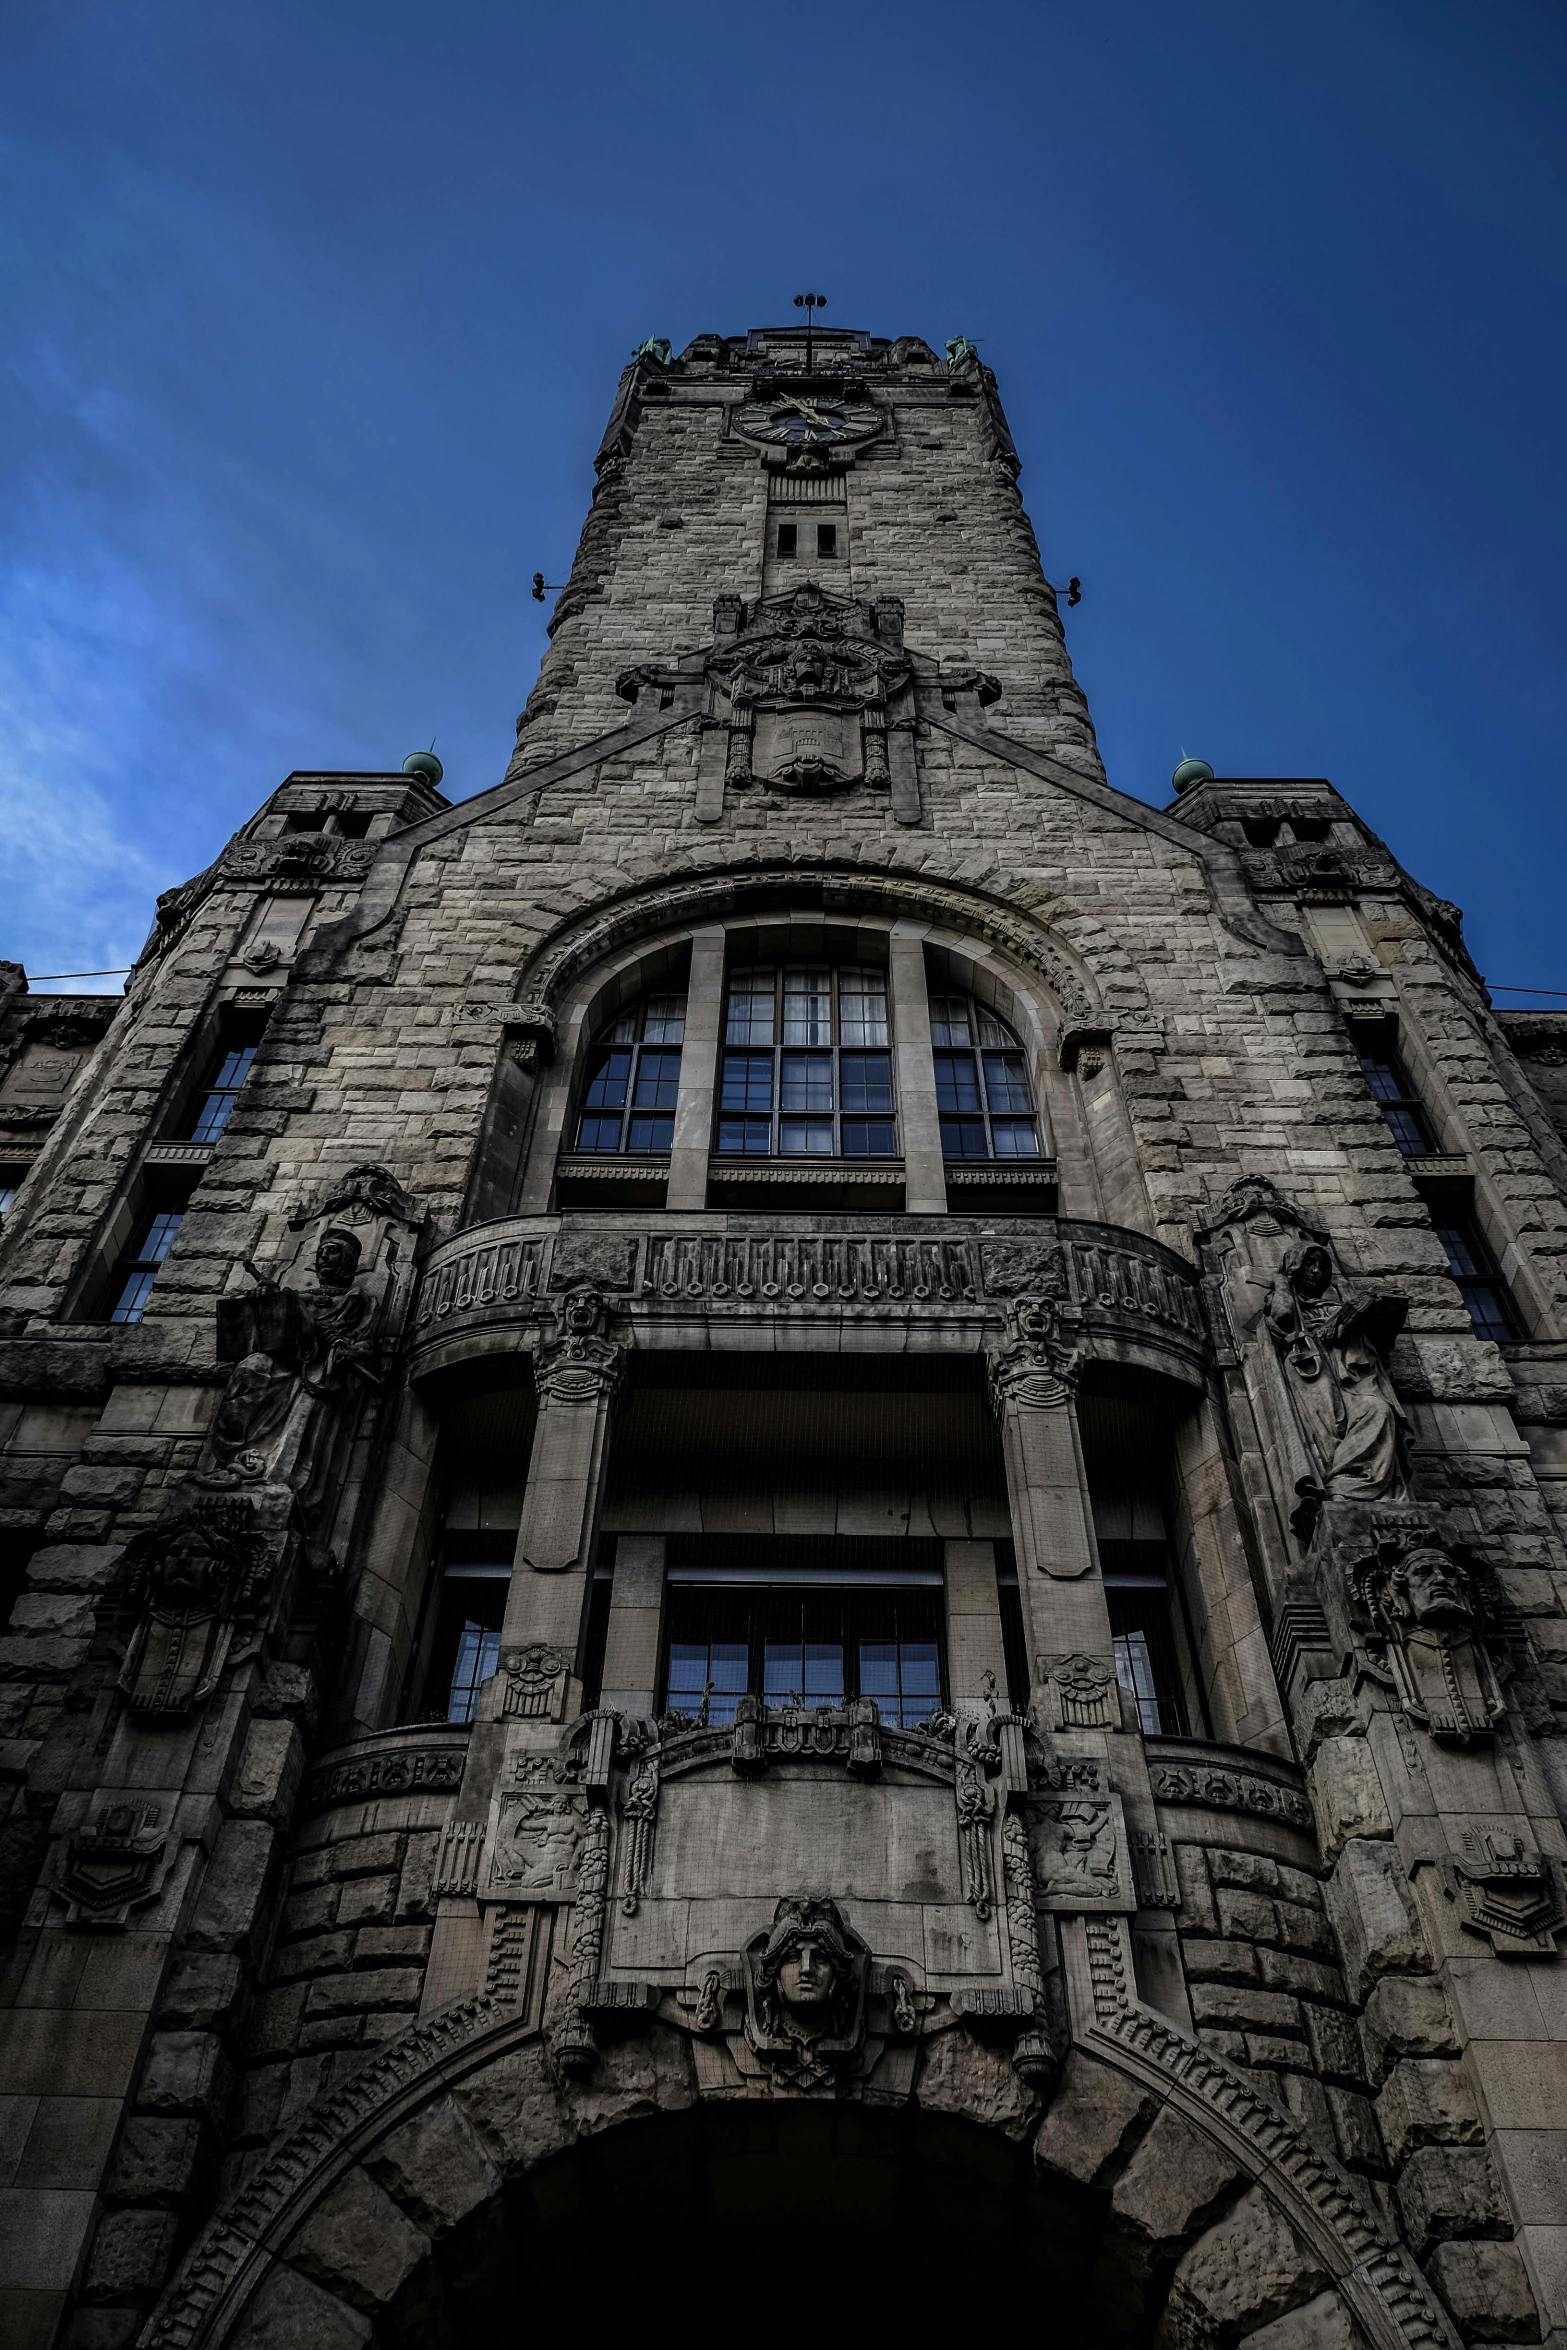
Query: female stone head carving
point(808, 1974)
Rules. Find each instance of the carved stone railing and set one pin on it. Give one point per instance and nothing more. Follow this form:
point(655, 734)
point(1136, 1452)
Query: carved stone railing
point(422, 1758)
point(873, 1267)
point(1192, 1774)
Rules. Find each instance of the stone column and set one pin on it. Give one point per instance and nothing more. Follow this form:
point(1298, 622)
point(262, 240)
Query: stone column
point(1066, 1618)
point(636, 1615)
point(925, 1175)
point(698, 1072)
point(577, 1376)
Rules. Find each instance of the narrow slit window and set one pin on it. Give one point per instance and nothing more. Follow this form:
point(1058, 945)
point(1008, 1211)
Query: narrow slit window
point(826, 541)
point(138, 1269)
point(1479, 1278)
point(788, 541)
point(1394, 1093)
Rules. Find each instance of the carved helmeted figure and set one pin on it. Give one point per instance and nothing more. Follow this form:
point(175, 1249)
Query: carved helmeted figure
point(806, 1982)
point(193, 1579)
point(1333, 1340)
point(1423, 1615)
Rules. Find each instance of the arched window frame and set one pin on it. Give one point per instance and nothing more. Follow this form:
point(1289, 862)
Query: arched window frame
point(986, 1098)
point(631, 1078)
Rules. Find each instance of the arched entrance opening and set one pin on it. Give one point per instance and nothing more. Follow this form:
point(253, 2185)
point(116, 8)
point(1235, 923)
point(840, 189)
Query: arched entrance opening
point(737, 2217)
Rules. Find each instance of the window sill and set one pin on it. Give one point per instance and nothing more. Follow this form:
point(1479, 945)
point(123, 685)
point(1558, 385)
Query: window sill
point(743, 1169)
point(1021, 1174)
point(176, 1154)
point(616, 1166)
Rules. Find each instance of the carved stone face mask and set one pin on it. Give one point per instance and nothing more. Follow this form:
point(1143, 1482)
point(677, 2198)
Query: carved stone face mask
point(337, 1258)
point(1434, 1592)
point(807, 1976)
point(1312, 1272)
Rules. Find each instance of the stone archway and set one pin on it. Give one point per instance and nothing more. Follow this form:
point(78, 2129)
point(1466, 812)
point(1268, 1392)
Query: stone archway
point(1152, 2196)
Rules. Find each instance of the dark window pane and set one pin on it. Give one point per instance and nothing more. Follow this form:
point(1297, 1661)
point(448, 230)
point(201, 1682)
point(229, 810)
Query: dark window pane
point(1006, 1086)
point(159, 1237)
point(1408, 1129)
point(750, 1008)
point(808, 1138)
point(478, 1653)
point(1383, 1079)
point(750, 1137)
point(596, 1133)
point(957, 1082)
point(869, 1138)
point(827, 538)
point(212, 1117)
point(133, 1297)
point(607, 1083)
point(747, 1082)
point(1145, 1659)
point(805, 1081)
point(1484, 1291)
point(650, 1134)
point(867, 1081)
point(788, 537)
point(949, 1020)
point(964, 1138)
point(658, 1080)
point(1016, 1138)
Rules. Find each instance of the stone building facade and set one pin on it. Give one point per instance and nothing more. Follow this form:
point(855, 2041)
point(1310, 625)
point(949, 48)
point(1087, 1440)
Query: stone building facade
point(788, 1505)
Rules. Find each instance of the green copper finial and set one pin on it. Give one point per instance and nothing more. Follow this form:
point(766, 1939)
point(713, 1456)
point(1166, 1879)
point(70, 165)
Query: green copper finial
point(1190, 772)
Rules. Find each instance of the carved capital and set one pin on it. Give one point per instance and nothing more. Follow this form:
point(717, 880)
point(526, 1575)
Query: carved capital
point(1035, 1368)
point(580, 1365)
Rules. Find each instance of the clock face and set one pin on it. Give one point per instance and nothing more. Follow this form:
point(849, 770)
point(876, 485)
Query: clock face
point(794, 421)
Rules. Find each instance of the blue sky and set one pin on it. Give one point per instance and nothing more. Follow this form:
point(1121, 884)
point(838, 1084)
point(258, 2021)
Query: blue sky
point(313, 311)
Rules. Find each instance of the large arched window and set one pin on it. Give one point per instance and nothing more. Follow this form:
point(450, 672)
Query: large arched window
point(806, 1066)
point(633, 1077)
point(983, 1094)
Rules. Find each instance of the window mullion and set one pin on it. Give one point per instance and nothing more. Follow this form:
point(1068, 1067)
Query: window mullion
point(925, 1177)
point(698, 1072)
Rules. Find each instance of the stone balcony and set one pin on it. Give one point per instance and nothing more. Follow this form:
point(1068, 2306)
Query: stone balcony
point(853, 1281)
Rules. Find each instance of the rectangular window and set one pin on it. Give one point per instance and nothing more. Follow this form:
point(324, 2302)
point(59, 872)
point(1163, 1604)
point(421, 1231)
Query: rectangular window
point(807, 1007)
point(1006, 1086)
point(747, 1082)
point(1475, 1270)
point(658, 1081)
point(949, 1020)
point(867, 1081)
point(964, 1138)
point(957, 1083)
point(862, 1007)
point(470, 1605)
point(665, 1020)
point(607, 1085)
point(814, 1640)
point(222, 1091)
point(805, 1082)
point(745, 1137)
point(1393, 1090)
point(788, 540)
point(1015, 1138)
point(138, 1270)
point(750, 1008)
point(826, 540)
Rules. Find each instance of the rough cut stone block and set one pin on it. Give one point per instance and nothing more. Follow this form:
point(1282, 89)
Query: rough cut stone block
point(291, 2313)
point(185, 2072)
point(1218, 1962)
point(1174, 2183)
point(1322, 2324)
point(1095, 2115)
point(1268, 2011)
point(1248, 2269)
point(376, 1987)
point(155, 2160)
point(358, 2243)
point(1427, 2101)
point(1487, 2289)
point(202, 1990)
point(270, 1768)
point(234, 1889)
point(1449, 2191)
point(74, 1566)
point(436, 2168)
point(1373, 1916)
point(130, 2254)
point(516, 2107)
point(1406, 2015)
point(1355, 2130)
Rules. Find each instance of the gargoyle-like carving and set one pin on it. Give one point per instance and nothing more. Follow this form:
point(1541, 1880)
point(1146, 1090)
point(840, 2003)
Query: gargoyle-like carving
point(580, 1364)
point(195, 1579)
point(533, 1681)
point(1035, 1367)
point(805, 1993)
point(1422, 1614)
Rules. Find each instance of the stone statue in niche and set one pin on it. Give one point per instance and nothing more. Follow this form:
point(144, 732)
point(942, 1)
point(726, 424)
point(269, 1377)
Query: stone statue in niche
point(194, 1580)
point(805, 1993)
point(287, 1341)
point(1421, 1613)
point(1333, 1340)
